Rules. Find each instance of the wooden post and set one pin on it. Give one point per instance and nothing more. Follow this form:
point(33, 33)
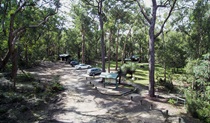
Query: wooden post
point(151, 106)
point(131, 98)
point(166, 113)
point(141, 102)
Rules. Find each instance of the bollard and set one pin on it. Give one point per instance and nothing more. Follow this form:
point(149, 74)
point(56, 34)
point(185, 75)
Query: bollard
point(180, 120)
point(131, 98)
point(166, 113)
point(96, 88)
point(141, 102)
point(151, 106)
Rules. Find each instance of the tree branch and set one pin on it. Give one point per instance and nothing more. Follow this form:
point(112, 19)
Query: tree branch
point(158, 6)
point(163, 4)
point(19, 8)
point(142, 11)
point(169, 14)
point(34, 26)
point(88, 3)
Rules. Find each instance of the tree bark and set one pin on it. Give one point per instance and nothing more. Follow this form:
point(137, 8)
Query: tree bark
point(152, 51)
point(26, 54)
point(152, 37)
point(109, 52)
point(100, 12)
point(124, 47)
point(14, 60)
point(117, 49)
point(83, 47)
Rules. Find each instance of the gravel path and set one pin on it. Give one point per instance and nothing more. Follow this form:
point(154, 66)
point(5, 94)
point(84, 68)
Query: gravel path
point(82, 103)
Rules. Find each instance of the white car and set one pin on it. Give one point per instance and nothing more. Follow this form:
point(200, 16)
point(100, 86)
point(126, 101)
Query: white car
point(94, 71)
point(82, 66)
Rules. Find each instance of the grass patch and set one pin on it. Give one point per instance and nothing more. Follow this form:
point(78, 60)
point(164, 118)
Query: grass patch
point(142, 73)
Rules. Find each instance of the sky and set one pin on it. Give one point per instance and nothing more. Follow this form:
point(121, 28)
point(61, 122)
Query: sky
point(66, 4)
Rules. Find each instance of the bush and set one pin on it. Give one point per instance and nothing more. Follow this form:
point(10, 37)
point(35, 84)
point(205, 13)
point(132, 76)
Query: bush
point(56, 87)
point(25, 77)
point(129, 68)
point(172, 101)
point(197, 107)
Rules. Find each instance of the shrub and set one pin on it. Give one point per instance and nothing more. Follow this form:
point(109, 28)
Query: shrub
point(197, 107)
point(172, 101)
point(197, 97)
point(129, 68)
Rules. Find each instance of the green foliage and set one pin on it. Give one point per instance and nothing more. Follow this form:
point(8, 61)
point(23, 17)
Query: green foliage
point(171, 51)
point(27, 77)
point(56, 87)
point(197, 97)
point(172, 101)
point(197, 107)
point(30, 97)
point(128, 68)
point(167, 84)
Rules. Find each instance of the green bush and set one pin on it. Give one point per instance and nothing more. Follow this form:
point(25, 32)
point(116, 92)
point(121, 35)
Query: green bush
point(129, 68)
point(197, 95)
point(172, 101)
point(197, 107)
point(56, 87)
point(25, 77)
point(168, 85)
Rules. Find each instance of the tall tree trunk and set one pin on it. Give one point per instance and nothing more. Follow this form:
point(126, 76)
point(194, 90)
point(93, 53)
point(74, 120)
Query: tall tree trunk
point(123, 54)
point(124, 47)
point(102, 34)
point(26, 54)
point(83, 47)
point(152, 51)
point(140, 53)
point(117, 49)
point(109, 52)
point(164, 56)
point(14, 60)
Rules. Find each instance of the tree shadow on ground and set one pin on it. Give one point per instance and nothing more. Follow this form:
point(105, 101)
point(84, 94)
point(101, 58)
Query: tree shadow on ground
point(118, 108)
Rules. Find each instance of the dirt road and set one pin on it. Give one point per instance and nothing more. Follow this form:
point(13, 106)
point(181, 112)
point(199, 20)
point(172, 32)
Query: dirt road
point(82, 103)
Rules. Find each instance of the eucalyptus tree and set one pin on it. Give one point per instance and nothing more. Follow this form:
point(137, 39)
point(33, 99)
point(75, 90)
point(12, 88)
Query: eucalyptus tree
point(98, 5)
point(110, 26)
point(151, 19)
point(200, 33)
point(82, 23)
point(17, 16)
point(171, 51)
point(119, 15)
point(192, 20)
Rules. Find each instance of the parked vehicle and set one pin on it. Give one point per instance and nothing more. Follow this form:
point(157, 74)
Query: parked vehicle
point(94, 71)
point(82, 66)
point(73, 63)
point(135, 58)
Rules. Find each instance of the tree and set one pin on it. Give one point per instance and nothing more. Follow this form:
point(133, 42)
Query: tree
point(192, 20)
point(197, 96)
point(82, 22)
point(98, 4)
point(14, 24)
point(153, 36)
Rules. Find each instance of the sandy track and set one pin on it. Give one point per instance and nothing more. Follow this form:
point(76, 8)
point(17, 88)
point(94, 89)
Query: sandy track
point(81, 103)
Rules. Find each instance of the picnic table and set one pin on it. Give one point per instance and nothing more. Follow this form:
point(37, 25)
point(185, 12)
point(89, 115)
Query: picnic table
point(109, 78)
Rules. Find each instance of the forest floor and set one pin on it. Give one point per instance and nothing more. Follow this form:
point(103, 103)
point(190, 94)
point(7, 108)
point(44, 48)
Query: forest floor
point(82, 103)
